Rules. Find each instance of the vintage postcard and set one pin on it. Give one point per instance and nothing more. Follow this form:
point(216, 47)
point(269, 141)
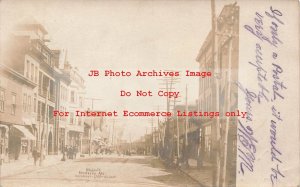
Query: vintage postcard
point(158, 93)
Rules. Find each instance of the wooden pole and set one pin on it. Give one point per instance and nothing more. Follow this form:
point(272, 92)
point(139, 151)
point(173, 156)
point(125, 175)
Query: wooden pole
point(228, 109)
point(43, 129)
point(186, 159)
point(216, 127)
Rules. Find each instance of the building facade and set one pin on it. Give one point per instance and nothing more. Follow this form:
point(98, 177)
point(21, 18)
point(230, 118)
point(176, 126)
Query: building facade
point(219, 93)
point(74, 128)
point(32, 86)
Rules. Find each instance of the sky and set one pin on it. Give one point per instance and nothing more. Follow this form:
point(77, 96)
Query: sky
point(123, 35)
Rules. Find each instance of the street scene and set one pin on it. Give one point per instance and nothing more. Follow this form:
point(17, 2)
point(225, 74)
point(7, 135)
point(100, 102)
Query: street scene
point(100, 171)
point(69, 116)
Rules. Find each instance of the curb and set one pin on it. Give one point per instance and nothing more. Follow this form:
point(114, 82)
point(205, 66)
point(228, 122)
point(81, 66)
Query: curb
point(185, 173)
point(41, 167)
point(29, 170)
point(188, 175)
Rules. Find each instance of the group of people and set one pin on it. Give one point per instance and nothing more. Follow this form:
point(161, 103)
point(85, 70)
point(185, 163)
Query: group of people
point(70, 152)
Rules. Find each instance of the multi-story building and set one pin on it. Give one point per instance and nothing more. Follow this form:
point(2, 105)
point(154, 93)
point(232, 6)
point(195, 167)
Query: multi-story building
point(75, 92)
point(62, 103)
point(28, 55)
point(40, 87)
point(186, 131)
point(37, 51)
point(218, 93)
point(19, 85)
point(15, 133)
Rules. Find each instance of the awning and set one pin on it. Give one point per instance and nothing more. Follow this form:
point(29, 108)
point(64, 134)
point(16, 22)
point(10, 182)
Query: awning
point(5, 126)
point(27, 134)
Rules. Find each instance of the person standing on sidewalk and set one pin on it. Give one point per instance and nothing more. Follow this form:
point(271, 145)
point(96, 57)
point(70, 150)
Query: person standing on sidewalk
point(64, 153)
point(75, 151)
point(34, 155)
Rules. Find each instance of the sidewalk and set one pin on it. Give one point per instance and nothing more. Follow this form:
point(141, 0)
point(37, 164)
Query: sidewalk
point(202, 176)
point(25, 164)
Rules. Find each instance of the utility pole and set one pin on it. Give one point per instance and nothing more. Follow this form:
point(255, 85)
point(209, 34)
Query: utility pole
point(91, 129)
point(199, 148)
point(113, 134)
point(92, 125)
point(130, 143)
point(216, 127)
point(177, 130)
point(152, 136)
point(186, 127)
point(227, 119)
point(167, 142)
point(230, 38)
point(157, 144)
point(177, 127)
point(44, 130)
point(175, 121)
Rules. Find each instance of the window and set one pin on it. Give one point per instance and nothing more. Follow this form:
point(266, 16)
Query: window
point(24, 102)
point(32, 72)
point(28, 68)
point(64, 118)
point(40, 110)
point(2, 99)
point(80, 102)
point(36, 75)
point(29, 103)
point(207, 139)
point(34, 104)
point(38, 46)
point(72, 97)
point(13, 104)
point(71, 118)
point(61, 92)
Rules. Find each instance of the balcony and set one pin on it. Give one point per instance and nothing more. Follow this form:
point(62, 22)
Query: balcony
point(51, 97)
point(37, 53)
point(43, 93)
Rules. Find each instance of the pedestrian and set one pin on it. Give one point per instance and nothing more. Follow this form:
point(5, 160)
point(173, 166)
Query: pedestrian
point(64, 154)
point(35, 155)
point(71, 152)
point(75, 150)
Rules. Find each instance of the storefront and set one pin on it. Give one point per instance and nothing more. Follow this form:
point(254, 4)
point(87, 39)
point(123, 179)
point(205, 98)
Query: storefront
point(74, 139)
point(3, 140)
point(61, 139)
point(20, 141)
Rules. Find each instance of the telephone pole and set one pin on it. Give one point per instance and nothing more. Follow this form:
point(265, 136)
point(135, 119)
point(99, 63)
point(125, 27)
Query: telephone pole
point(43, 137)
point(168, 143)
point(186, 159)
point(92, 124)
point(230, 37)
point(177, 129)
point(216, 127)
